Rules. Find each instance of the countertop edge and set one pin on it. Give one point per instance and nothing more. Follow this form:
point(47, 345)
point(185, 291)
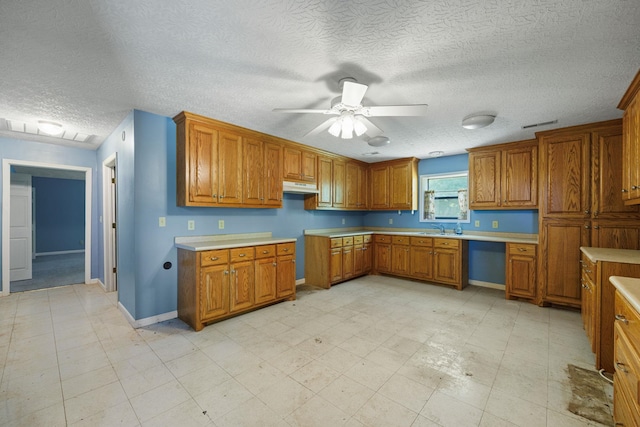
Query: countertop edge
point(629, 287)
point(505, 238)
point(625, 256)
point(198, 246)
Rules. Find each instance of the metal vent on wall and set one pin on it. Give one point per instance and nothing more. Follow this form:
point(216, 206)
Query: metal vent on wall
point(32, 128)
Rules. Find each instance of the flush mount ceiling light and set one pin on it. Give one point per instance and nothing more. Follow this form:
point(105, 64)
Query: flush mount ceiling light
point(477, 122)
point(50, 128)
point(378, 141)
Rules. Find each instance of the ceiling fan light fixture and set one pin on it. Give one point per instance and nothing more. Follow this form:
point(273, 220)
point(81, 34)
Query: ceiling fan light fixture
point(477, 121)
point(335, 128)
point(347, 127)
point(50, 128)
point(359, 127)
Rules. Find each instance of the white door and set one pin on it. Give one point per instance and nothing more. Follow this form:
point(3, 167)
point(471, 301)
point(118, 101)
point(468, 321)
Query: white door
point(20, 240)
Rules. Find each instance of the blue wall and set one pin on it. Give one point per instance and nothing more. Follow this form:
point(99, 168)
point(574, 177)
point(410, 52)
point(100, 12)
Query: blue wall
point(18, 149)
point(59, 209)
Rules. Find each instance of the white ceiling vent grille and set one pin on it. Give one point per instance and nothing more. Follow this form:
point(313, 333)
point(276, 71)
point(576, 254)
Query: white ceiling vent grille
point(32, 128)
point(552, 122)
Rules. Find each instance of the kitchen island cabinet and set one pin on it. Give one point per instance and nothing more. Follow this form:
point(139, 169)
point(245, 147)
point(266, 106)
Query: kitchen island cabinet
point(331, 260)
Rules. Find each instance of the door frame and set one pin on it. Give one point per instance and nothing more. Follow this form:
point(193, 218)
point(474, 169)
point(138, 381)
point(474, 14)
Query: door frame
point(109, 192)
point(6, 209)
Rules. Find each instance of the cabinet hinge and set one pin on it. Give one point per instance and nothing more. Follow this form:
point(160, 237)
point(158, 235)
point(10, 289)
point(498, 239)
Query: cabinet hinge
point(114, 269)
point(113, 180)
point(113, 225)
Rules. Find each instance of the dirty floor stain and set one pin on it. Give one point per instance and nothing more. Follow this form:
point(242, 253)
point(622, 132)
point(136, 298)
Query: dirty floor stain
point(588, 398)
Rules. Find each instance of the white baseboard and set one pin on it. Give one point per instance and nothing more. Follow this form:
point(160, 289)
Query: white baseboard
point(99, 282)
point(77, 251)
point(487, 284)
point(140, 323)
point(300, 281)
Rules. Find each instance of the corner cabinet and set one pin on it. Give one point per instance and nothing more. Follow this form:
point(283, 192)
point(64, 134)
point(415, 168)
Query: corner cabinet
point(630, 103)
point(221, 165)
point(504, 176)
point(217, 284)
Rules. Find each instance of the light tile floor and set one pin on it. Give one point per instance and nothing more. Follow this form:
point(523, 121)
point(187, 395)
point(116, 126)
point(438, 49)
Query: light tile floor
point(375, 351)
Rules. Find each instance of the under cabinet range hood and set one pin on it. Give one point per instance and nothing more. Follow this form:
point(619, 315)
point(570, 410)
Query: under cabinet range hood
point(299, 187)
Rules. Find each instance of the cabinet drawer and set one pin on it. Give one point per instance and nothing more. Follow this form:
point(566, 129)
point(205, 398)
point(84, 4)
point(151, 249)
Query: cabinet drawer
point(521, 249)
point(265, 251)
point(347, 241)
point(366, 238)
point(446, 243)
point(286, 248)
point(400, 240)
point(589, 267)
point(382, 238)
point(336, 242)
point(220, 256)
point(357, 240)
point(626, 364)
point(421, 241)
point(242, 254)
point(628, 320)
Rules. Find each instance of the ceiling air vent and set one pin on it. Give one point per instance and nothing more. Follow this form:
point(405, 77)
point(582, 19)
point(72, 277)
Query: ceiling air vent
point(552, 122)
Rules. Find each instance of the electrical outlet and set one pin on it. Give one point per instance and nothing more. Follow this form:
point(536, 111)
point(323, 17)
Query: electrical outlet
point(162, 221)
point(494, 224)
point(390, 221)
point(191, 225)
point(221, 224)
point(477, 223)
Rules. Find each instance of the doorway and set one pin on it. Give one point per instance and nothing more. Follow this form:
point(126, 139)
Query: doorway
point(109, 223)
point(24, 166)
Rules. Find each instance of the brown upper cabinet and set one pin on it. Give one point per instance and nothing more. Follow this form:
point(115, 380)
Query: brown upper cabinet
point(393, 185)
point(504, 176)
point(218, 164)
point(630, 103)
point(299, 165)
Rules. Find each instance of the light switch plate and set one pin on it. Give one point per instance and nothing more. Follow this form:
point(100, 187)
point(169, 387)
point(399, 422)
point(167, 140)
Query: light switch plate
point(162, 221)
point(191, 225)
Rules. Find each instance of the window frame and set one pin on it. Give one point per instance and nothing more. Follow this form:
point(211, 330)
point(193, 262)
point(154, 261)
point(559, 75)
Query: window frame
point(423, 179)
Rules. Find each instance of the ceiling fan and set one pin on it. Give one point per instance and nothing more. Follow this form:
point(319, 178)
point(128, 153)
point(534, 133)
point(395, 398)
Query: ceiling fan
point(351, 115)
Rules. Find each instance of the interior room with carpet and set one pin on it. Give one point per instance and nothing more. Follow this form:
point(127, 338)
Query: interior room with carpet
point(366, 213)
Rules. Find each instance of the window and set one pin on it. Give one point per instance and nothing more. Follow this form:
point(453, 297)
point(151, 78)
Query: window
point(443, 197)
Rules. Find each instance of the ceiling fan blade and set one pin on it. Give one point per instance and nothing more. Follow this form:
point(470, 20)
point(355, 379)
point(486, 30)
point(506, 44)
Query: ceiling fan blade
point(372, 130)
point(321, 127)
point(301, 110)
point(352, 93)
point(395, 110)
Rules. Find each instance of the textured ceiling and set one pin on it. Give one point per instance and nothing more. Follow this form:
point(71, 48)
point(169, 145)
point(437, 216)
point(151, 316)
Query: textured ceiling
point(87, 63)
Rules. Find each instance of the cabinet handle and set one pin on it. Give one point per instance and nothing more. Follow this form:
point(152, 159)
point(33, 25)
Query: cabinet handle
point(587, 227)
point(285, 250)
point(214, 258)
point(522, 249)
point(586, 212)
point(505, 200)
point(621, 318)
point(634, 187)
point(622, 367)
point(624, 190)
point(274, 264)
point(241, 255)
point(265, 252)
point(587, 270)
point(293, 261)
point(596, 227)
point(445, 243)
point(221, 197)
point(226, 272)
point(214, 196)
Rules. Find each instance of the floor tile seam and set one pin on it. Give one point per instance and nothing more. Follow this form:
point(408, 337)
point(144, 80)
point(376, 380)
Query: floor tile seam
point(400, 403)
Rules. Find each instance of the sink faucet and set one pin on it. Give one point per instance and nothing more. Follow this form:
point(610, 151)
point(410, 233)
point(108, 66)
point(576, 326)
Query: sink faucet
point(439, 227)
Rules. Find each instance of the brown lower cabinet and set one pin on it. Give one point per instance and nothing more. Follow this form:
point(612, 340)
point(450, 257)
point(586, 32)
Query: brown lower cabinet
point(521, 271)
point(333, 260)
point(217, 284)
point(626, 384)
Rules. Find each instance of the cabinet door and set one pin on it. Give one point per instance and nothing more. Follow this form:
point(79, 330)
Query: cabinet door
point(230, 163)
point(401, 186)
point(382, 257)
point(519, 177)
point(400, 260)
point(292, 164)
point(253, 166)
point(607, 176)
point(309, 166)
point(367, 258)
point(272, 193)
point(214, 291)
point(565, 180)
point(339, 172)
point(203, 164)
point(347, 262)
point(325, 182)
point(446, 265)
point(521, 276)
point(335, 265)
point(286, 276)
point(363, 194)
point(265, 285)
point(484, 179)
point(560, 243)
point(615, 234)
point(631, 152)
point(379, 187)
point(358, 260)
point(352, 185)
point(421, 262)
point(242, 286)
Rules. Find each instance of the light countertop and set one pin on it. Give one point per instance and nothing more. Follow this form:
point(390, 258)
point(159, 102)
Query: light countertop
point(626, 256)
point(629, 287)
point(226, 241)
point(484, 237)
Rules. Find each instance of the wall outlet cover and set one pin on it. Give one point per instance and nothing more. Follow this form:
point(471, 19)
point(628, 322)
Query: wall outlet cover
point(191, 225)
point(390, 221)
point(494, 224)
point(162, 221)
point(477, 223)
point(221, 224)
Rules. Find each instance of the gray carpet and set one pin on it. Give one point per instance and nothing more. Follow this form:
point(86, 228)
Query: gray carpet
point(50, 271)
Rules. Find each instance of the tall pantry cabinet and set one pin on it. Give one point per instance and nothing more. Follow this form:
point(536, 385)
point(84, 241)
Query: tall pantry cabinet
point(580, 204)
